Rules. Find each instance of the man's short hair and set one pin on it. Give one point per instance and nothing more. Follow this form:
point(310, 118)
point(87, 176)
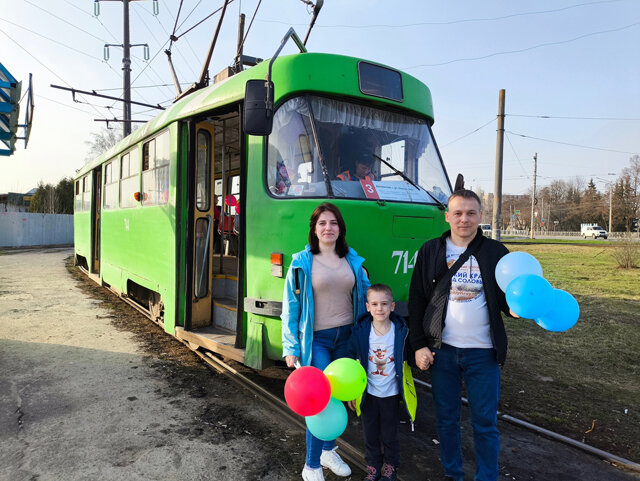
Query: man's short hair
point(466, 194)
point(380, 288)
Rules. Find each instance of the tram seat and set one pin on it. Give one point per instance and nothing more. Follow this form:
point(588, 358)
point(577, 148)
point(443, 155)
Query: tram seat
point(229, 222)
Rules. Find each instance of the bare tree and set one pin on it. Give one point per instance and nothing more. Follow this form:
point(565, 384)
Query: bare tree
point(101, 142)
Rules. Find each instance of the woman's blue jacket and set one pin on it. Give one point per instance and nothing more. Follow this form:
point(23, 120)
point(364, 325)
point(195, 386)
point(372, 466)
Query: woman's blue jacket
point(297, 309)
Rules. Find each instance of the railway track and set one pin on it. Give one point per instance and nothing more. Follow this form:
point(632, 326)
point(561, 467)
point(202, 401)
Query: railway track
point(355, 456)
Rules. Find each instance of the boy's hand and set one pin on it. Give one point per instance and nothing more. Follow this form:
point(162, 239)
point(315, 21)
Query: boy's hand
point(424, 358)
point(352, 405)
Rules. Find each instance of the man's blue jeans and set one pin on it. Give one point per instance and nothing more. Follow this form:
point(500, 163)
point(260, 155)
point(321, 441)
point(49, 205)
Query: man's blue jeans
point(327, 345)
point(481, 374)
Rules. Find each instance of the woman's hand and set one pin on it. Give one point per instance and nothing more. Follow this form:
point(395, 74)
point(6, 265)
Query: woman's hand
point(352, 405)
point(291, 360)
point(424, 358)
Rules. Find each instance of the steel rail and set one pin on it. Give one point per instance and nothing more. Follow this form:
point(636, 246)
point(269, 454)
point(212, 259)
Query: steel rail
point(558, 437)
point(348, 451)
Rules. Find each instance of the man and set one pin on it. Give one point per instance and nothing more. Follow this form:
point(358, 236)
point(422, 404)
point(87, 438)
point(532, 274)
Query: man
point(456, 331)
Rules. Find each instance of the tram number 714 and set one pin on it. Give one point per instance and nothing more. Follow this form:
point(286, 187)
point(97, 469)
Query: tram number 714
point(404, 256)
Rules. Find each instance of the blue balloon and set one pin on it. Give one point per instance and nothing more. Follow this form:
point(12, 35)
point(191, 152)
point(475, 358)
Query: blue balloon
point(516, 264)
point(564, 312)
point(329, 423)
point(529, 296)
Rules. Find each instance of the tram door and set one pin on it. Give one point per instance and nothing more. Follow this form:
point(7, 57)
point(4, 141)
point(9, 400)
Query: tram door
point(96, 203)
point(204, 224)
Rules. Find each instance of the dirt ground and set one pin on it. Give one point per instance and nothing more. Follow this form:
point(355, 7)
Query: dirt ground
point(92, 390)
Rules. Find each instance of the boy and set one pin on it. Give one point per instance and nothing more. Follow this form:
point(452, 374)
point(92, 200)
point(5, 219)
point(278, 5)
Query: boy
point(379, 342)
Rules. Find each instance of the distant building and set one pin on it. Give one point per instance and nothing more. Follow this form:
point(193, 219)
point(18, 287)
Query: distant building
point(15, 202)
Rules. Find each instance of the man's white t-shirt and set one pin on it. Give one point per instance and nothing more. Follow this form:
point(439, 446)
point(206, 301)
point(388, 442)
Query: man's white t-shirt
point(467, 319)
point(381, 372)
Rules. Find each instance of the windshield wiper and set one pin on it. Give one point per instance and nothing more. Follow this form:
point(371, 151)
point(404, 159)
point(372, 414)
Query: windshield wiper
point(441, 206)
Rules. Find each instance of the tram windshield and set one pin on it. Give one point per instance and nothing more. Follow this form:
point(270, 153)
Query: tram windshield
point(322, 147)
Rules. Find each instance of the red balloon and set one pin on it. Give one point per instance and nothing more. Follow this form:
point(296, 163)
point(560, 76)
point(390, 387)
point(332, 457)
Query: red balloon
point(307, 391)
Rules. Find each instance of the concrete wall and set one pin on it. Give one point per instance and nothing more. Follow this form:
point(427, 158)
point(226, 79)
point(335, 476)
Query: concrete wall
point(19, 229)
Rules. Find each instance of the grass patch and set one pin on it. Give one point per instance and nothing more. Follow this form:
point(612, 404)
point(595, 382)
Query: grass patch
point(580, 382)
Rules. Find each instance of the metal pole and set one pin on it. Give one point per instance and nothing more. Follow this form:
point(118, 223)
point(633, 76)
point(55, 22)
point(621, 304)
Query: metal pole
point(610, 208)
point(497, 189)
point(533, 194)
point(237, 68)
point(126, 67)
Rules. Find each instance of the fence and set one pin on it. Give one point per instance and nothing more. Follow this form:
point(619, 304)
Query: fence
point(561, 234)
point(20, 229)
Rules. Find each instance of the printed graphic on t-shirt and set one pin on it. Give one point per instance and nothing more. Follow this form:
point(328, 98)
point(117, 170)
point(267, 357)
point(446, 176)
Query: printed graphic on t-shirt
point(380, 356)
point(466, 284)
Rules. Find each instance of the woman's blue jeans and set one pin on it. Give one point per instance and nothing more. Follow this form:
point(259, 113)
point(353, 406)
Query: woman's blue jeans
point(327, 345)
point(481, 374)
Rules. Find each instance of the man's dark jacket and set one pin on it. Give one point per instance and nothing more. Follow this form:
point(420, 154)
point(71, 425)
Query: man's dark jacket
point(428, 309)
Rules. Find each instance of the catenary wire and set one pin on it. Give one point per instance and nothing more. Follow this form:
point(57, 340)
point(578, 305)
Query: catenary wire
point(451, 22)
point(572, 145)
point(526, 49)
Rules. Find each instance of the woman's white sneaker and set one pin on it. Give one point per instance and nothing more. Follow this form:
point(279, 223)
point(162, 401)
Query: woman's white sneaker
point(309, 474)
point(333, 461)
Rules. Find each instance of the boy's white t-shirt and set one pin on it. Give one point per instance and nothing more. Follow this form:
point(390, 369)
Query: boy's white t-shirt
point(381, 372)
point(467, 318)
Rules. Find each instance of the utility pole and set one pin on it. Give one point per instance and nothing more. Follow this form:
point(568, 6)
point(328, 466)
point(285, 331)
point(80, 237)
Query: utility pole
point(126, 60)
point(126, 68)
point(533, 195)
point(610, 208)
point(497, 189)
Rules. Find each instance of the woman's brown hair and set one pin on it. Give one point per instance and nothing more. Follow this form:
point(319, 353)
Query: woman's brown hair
point(341, 244)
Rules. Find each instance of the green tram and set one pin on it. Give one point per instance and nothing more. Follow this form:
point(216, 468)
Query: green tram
point(193, 218)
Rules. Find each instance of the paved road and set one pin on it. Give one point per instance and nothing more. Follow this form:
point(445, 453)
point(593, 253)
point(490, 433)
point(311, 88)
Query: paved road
point(81, 400)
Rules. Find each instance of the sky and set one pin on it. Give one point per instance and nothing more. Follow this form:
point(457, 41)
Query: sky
point(570, 71)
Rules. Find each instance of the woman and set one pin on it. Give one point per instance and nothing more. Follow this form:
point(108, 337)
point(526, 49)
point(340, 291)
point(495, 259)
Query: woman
point(325, 292)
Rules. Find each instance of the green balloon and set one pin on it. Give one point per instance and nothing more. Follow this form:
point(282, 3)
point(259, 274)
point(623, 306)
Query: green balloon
point(347, 378)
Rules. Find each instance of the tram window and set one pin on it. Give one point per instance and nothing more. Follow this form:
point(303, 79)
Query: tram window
point(293, 168)
point(129, 179)
point(86, 192)
point(155, 170)
point(203, 171)
point(200, 278)
point(78, 205)
point(110, 185)
point(380, 81)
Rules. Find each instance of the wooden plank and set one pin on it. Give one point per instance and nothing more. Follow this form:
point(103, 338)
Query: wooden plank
point(215, 340)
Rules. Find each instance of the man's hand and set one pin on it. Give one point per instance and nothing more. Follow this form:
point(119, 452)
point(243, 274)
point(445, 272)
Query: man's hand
point(291, 361)
point(424, 358)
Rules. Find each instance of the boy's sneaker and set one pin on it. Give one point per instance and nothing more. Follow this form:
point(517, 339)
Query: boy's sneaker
point(309, 474)
point(333, 461)
point(372, 474)
point(388, 472)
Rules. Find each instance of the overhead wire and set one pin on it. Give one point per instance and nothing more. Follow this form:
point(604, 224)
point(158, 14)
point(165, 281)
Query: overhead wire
point(40, 62)
point(570, 144)
point(453, 22)
point(526, 49)
point(572, 118)
point(468, 134)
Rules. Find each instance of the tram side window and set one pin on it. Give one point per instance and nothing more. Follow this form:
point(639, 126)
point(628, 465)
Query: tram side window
point(110, 185)
point(129, 180)
point(86, 192)
point(78, 206)
point(155, 170)
point(203, 171)
point(293, 168)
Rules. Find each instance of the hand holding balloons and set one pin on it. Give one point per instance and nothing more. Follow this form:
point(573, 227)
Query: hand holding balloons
point(531, 296)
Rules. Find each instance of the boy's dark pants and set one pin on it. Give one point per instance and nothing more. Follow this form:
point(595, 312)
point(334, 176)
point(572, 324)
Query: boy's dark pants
point(380, 419)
